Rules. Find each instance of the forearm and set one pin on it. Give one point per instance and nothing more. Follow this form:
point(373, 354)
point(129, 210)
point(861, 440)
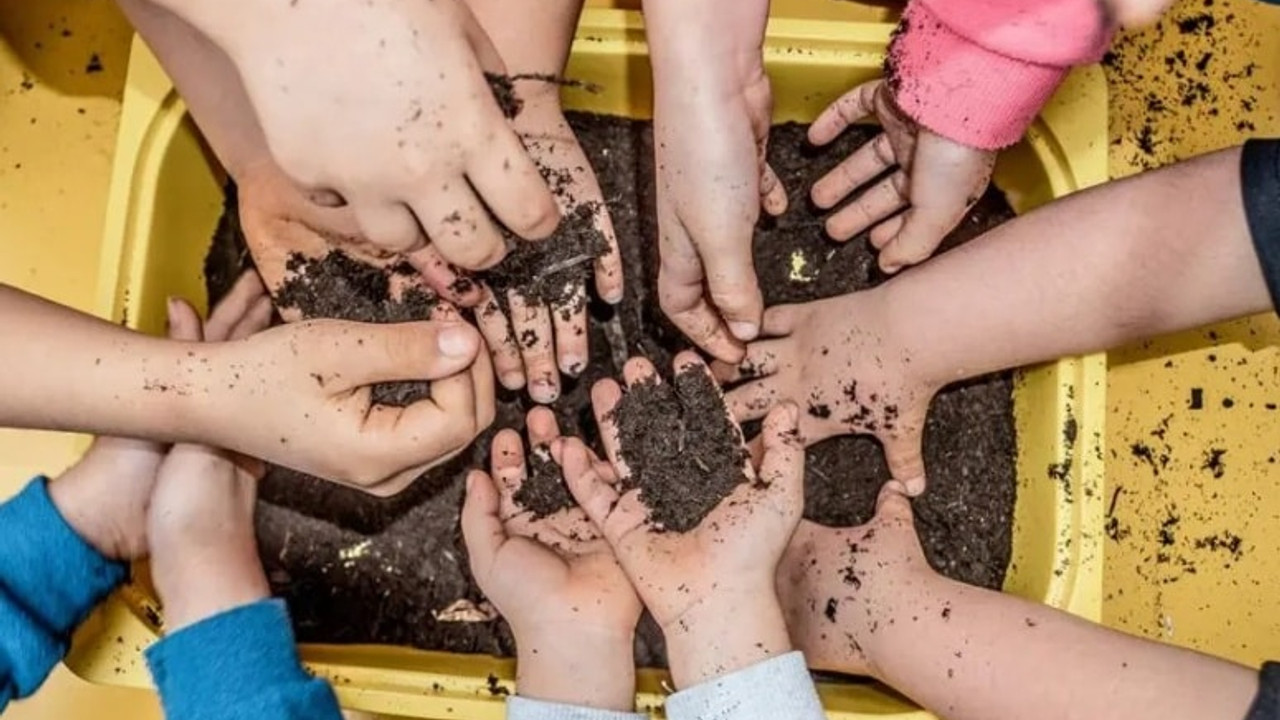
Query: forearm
point(965, 652)
point(716, 39)
point(64, 370)
point(532, 36)
point(1165, 251)
point(577, 666)
point(207, 81)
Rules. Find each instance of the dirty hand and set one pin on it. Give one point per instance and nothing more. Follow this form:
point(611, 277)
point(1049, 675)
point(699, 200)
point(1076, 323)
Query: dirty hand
point(204, 553)
point(555, 580)
point(839, 360)
point(403, 126)
point(712, 112)
point(710, 589)
point(104, 496)
point(838, 585)
point(937, 180)
point(533, 38)
point(307, 386)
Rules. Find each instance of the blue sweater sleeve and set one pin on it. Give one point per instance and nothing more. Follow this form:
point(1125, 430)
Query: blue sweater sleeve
point(50, 579)
point(239, 665)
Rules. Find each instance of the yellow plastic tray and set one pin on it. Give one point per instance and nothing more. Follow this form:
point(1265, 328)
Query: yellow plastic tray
point(166, 197)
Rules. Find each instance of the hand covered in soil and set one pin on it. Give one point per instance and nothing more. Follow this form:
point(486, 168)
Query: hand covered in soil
point(937, 180)
point(839, 359)
point(533, 38)
point(711, 588)
point(105, 495)
point(308, 387)
point(712, 112)
point(401, 124)
point(556, 581)
point(204, 553)
point(837, 585)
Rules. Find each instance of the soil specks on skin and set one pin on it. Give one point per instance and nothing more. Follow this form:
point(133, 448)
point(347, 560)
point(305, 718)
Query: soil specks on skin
point(830, 610)
point(684, 454)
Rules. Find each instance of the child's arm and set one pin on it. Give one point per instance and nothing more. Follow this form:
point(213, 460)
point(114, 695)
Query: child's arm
point(711, 589)
point(558, 584)
point(304, 385)
point(229, 650)
point(1164, 251)
point(966, 652)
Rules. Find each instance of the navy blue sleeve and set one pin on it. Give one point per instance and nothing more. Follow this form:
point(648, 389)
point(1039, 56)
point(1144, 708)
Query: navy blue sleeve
point(1266, 704)
point(239, 665)
point(50, 579)
point(1260, 183)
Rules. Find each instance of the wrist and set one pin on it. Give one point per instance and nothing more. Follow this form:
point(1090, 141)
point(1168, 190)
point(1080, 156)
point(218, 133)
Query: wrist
point(724, 633)
point(579, 665)
point(196, 581)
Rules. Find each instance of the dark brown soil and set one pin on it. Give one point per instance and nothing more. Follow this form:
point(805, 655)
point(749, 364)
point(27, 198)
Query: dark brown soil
point(683, 452)
point(543, 492)
point(359, 569)
point(549, 271)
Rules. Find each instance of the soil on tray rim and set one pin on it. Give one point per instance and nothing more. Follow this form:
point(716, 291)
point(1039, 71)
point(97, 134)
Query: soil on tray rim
point(359, 569)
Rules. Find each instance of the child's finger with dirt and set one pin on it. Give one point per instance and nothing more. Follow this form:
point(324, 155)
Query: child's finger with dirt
point(569, 318)
point(605, 396)
point(493, 325)
point(508, 470)
point(761, 361)
point(532, 325)
point(239, 301)
point(448, 281)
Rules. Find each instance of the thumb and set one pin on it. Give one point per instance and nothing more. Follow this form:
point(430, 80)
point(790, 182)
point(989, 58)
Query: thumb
point(430, 350)
point(481, 528)
point(734, 289)
point(903, 452)
point(893, 501)
point(184, 322)
point(782, 468)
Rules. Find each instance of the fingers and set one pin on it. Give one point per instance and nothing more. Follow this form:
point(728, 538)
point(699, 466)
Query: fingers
point(848, 109)
point(481, 528)
point(753, 400)
point(532, 325)
point(184, 321)
point(442, 277)
point(389, 225)
point(243, 297)
point(596, 495)
point(782, 468)
point(609, 275)
point(605, 396)
point(255, 321)
point(507, 463)
point(369, 354)
point(460, 228)
point(507, 362)
point(734, 290)
point(569, 318)
point(761, 361)
point(773, 195)
point(904, 455)
point(893, 501)
point(864, 165)
point(486, 400)
point(503, 174)
point(542, 426)
point(875, 204)
point(682, 295)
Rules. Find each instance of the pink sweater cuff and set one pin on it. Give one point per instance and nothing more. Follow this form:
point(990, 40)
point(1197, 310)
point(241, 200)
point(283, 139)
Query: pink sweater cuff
point(961, 90)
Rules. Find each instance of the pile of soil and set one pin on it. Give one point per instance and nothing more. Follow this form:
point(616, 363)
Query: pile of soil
point(682, 451)
point(360, 569)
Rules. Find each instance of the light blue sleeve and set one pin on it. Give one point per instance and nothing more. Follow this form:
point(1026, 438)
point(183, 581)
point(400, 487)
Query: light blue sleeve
point(776, 688)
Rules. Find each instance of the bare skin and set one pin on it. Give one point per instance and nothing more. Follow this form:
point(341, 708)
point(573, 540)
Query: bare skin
point(710, 589)
point(556, 580)
point(864, 601)
point(1083, 274)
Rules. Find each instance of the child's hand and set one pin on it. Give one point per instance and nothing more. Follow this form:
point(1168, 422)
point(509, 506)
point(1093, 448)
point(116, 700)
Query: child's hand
point(839, 360)
point(533, 38)
point(104, 496)
point(555, 580)
point(204, 554)
point(400, 123)
point(710, 589)
point(937, 181)
point(837, 585)
point(712, 112)
point(306, 385)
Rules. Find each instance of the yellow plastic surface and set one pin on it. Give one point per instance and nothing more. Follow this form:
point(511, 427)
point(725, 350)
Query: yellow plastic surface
point(166, 198)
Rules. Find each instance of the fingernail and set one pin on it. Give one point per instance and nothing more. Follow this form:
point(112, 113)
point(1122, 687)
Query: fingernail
point(614, 297)
point(456, 341)
point(744, 330)
point(572, 365)
point(915, 486)
point(543, 391)
point(513, 380)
